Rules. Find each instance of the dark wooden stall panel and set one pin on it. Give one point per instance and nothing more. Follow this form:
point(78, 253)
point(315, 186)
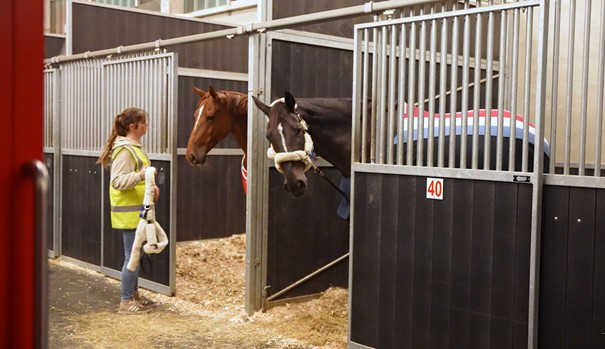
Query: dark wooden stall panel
point(188, 101)
point(53, 46)
point(211, 199)
point(155, 267)
point(457, 269)
point(49, 160)
point(328, 72)
point(572, 271)
point(341, 27)
point(305, 234)
point(81, 211)
point(122, 28)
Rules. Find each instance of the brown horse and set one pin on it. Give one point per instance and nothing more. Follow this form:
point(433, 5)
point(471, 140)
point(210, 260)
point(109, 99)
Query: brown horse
point(217, 114)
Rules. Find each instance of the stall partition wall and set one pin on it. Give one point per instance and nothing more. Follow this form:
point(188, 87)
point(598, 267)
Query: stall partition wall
point(92, 92)
point(446, 205)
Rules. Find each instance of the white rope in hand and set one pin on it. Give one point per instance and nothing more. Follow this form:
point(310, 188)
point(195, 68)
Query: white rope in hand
point(149, 229)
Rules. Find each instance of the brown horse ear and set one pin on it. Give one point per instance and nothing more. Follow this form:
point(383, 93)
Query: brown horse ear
point(199, 92)
point(213, 93)
point(262, 106)
point(290, 102)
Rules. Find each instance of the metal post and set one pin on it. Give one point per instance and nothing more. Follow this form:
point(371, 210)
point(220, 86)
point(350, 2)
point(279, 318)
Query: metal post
point(538, 179)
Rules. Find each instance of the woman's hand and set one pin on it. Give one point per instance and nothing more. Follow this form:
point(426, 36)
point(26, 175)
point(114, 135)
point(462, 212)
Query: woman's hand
point(156, 194)
point(142, 173)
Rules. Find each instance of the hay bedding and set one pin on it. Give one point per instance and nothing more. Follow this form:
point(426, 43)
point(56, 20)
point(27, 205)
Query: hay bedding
point(208, 311)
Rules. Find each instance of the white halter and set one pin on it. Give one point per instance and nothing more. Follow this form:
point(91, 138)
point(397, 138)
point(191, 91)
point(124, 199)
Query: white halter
point(297, 155)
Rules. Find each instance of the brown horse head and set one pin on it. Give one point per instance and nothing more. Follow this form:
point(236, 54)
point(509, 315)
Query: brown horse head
point(217, 114)
point(290, 143)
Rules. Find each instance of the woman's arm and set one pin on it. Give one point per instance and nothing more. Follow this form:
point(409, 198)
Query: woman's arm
point(123, 175)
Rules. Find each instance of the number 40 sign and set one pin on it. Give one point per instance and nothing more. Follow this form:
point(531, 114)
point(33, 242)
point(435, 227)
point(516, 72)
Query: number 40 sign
point(434, 188)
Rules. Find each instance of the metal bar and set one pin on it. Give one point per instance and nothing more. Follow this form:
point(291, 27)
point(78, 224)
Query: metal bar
point(374, 99)
point(421, 87)
point(392, 84)
point(358, 89)
point(401, 96)
point(467, 11)
point(527, 92)
point(569, 92)
point(600, 88)
point(442, 88)
point(37, 169)
point(308, 277)
point(501, 87)
point(488, 93)
point(432, 77)
point(513, 109)
point(555, 85)
point(364, 98)
point(454, 92)
point(585, 72)
point(465, 77)
point(411, 90)
point(476, 94)
point(538, 178)
point(382, 93)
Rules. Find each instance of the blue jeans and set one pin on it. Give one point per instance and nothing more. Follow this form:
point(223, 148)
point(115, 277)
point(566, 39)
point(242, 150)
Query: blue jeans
point(130, 279)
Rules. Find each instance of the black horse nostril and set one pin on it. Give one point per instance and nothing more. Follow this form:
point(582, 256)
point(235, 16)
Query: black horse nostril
point(287, 188)
point(300, 185)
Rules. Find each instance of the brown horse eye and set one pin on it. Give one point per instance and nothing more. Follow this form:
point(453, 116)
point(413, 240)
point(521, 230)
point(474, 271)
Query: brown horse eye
point(210, 117)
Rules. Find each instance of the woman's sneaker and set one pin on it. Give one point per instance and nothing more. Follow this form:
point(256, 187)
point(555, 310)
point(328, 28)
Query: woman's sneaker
point(144, 301)
point(132, 307)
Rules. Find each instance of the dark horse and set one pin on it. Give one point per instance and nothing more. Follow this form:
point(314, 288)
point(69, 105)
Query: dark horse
point(217, 114)
point(298, 127)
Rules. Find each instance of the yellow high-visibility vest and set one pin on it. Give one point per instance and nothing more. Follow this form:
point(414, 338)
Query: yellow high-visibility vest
point(126, 204)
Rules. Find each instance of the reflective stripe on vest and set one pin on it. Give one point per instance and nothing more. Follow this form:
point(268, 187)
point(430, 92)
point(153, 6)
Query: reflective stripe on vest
point(126, 204)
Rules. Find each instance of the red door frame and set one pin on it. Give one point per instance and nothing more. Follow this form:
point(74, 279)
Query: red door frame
point(21, 138)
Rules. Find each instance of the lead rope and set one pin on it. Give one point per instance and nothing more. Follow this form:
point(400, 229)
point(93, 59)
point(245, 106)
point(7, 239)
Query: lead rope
point(318, 171)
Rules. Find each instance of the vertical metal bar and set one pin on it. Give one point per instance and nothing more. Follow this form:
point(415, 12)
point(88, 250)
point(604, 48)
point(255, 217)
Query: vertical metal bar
point(600, 88)
point(392, 84)
point(488, 91)
point(454, 92)
point(358, 86)
point(555, 85)
point(442, 88)
point(364, 98)
point(382, 93)
point(465, 83)
point(585, 71)
point(527, 92)
point(513, 109)
point(401, 97)
point(411, 90)
point(501, 87)
point(421, 92)
point(569, 93)
point(374, 99)
point(432, 77)
point(477, 91)
point(538, 178)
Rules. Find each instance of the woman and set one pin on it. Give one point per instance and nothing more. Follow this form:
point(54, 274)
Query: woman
point(128, 160)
